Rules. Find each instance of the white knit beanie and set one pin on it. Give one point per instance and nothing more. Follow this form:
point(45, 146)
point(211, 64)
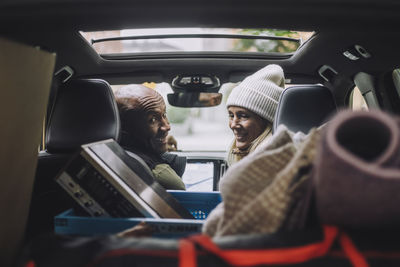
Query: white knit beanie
point(259, 92)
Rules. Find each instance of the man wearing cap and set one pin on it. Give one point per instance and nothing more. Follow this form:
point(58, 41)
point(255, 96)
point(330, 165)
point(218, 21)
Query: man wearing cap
point(251, 108)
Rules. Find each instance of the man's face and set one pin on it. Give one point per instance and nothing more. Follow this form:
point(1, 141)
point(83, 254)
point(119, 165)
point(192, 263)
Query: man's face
point(156, 128)
point(246, 126)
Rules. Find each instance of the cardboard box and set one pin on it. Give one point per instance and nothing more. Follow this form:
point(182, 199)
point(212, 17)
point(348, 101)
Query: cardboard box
point(25, 80)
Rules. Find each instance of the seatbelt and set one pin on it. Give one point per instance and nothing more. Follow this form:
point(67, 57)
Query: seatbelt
point(61, 76)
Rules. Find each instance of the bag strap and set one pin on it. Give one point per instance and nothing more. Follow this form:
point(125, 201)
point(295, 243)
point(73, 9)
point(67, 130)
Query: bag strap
point(187, 253)
point(242, 258)
point(351, 251)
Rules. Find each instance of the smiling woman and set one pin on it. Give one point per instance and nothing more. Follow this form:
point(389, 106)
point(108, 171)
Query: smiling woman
point(252, 106)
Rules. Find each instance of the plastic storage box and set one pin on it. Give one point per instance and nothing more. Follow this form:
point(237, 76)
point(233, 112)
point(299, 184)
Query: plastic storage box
point(198, 203)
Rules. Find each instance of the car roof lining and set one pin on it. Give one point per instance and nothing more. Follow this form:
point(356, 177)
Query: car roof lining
point(337, 29)
point(320, 48)
point(299, 69)
point(306, 15)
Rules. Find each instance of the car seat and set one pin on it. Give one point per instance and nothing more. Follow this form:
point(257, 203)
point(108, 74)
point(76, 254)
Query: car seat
point(84, 111)
point(302, 107)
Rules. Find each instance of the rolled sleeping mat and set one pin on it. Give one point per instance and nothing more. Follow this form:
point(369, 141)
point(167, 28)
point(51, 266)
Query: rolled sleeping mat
point(357, 171)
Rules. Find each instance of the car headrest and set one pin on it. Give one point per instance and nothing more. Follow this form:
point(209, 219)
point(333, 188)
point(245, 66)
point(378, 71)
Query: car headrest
point(84, 111)
point(302, 107)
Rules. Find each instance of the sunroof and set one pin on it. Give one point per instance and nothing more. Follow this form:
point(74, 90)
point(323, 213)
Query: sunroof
point(181, 40)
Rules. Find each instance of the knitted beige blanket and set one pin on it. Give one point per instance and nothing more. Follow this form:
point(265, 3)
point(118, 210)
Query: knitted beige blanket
point(259, 191)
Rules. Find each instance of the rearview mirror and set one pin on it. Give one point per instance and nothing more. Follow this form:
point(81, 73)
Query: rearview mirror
point(194, 99)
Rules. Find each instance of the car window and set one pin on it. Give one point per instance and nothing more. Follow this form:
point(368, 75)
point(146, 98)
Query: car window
point(396, 81)
point(161, 40)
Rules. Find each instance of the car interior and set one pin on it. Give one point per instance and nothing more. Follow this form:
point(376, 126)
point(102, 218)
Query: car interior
point(350, 59)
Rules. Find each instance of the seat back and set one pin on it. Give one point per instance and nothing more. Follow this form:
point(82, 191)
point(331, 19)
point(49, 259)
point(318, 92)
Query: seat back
point(302, 107)
point(84, 111)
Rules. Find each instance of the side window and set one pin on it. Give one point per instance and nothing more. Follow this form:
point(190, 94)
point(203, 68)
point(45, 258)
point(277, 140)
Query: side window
point(357, 101)
point(396, 80)
point(396, 83)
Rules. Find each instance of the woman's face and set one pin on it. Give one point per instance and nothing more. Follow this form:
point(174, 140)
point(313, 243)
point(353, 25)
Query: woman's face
point(246, 126)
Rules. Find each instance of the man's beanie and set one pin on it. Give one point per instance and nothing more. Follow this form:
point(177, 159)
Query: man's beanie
point(260, 92)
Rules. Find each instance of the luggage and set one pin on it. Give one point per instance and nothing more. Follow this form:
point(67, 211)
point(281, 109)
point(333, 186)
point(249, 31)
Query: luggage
point(326, 246)
point(347, 231)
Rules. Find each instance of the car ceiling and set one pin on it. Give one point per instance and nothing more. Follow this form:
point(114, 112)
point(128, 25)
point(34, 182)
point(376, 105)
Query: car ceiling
point(111, 14)
point(339, 25)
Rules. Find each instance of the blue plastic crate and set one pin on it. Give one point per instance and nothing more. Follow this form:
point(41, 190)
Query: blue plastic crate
point(198, 203)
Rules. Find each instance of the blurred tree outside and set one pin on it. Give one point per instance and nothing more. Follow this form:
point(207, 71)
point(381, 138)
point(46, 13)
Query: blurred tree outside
point(278, 46)
point(177, 115)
